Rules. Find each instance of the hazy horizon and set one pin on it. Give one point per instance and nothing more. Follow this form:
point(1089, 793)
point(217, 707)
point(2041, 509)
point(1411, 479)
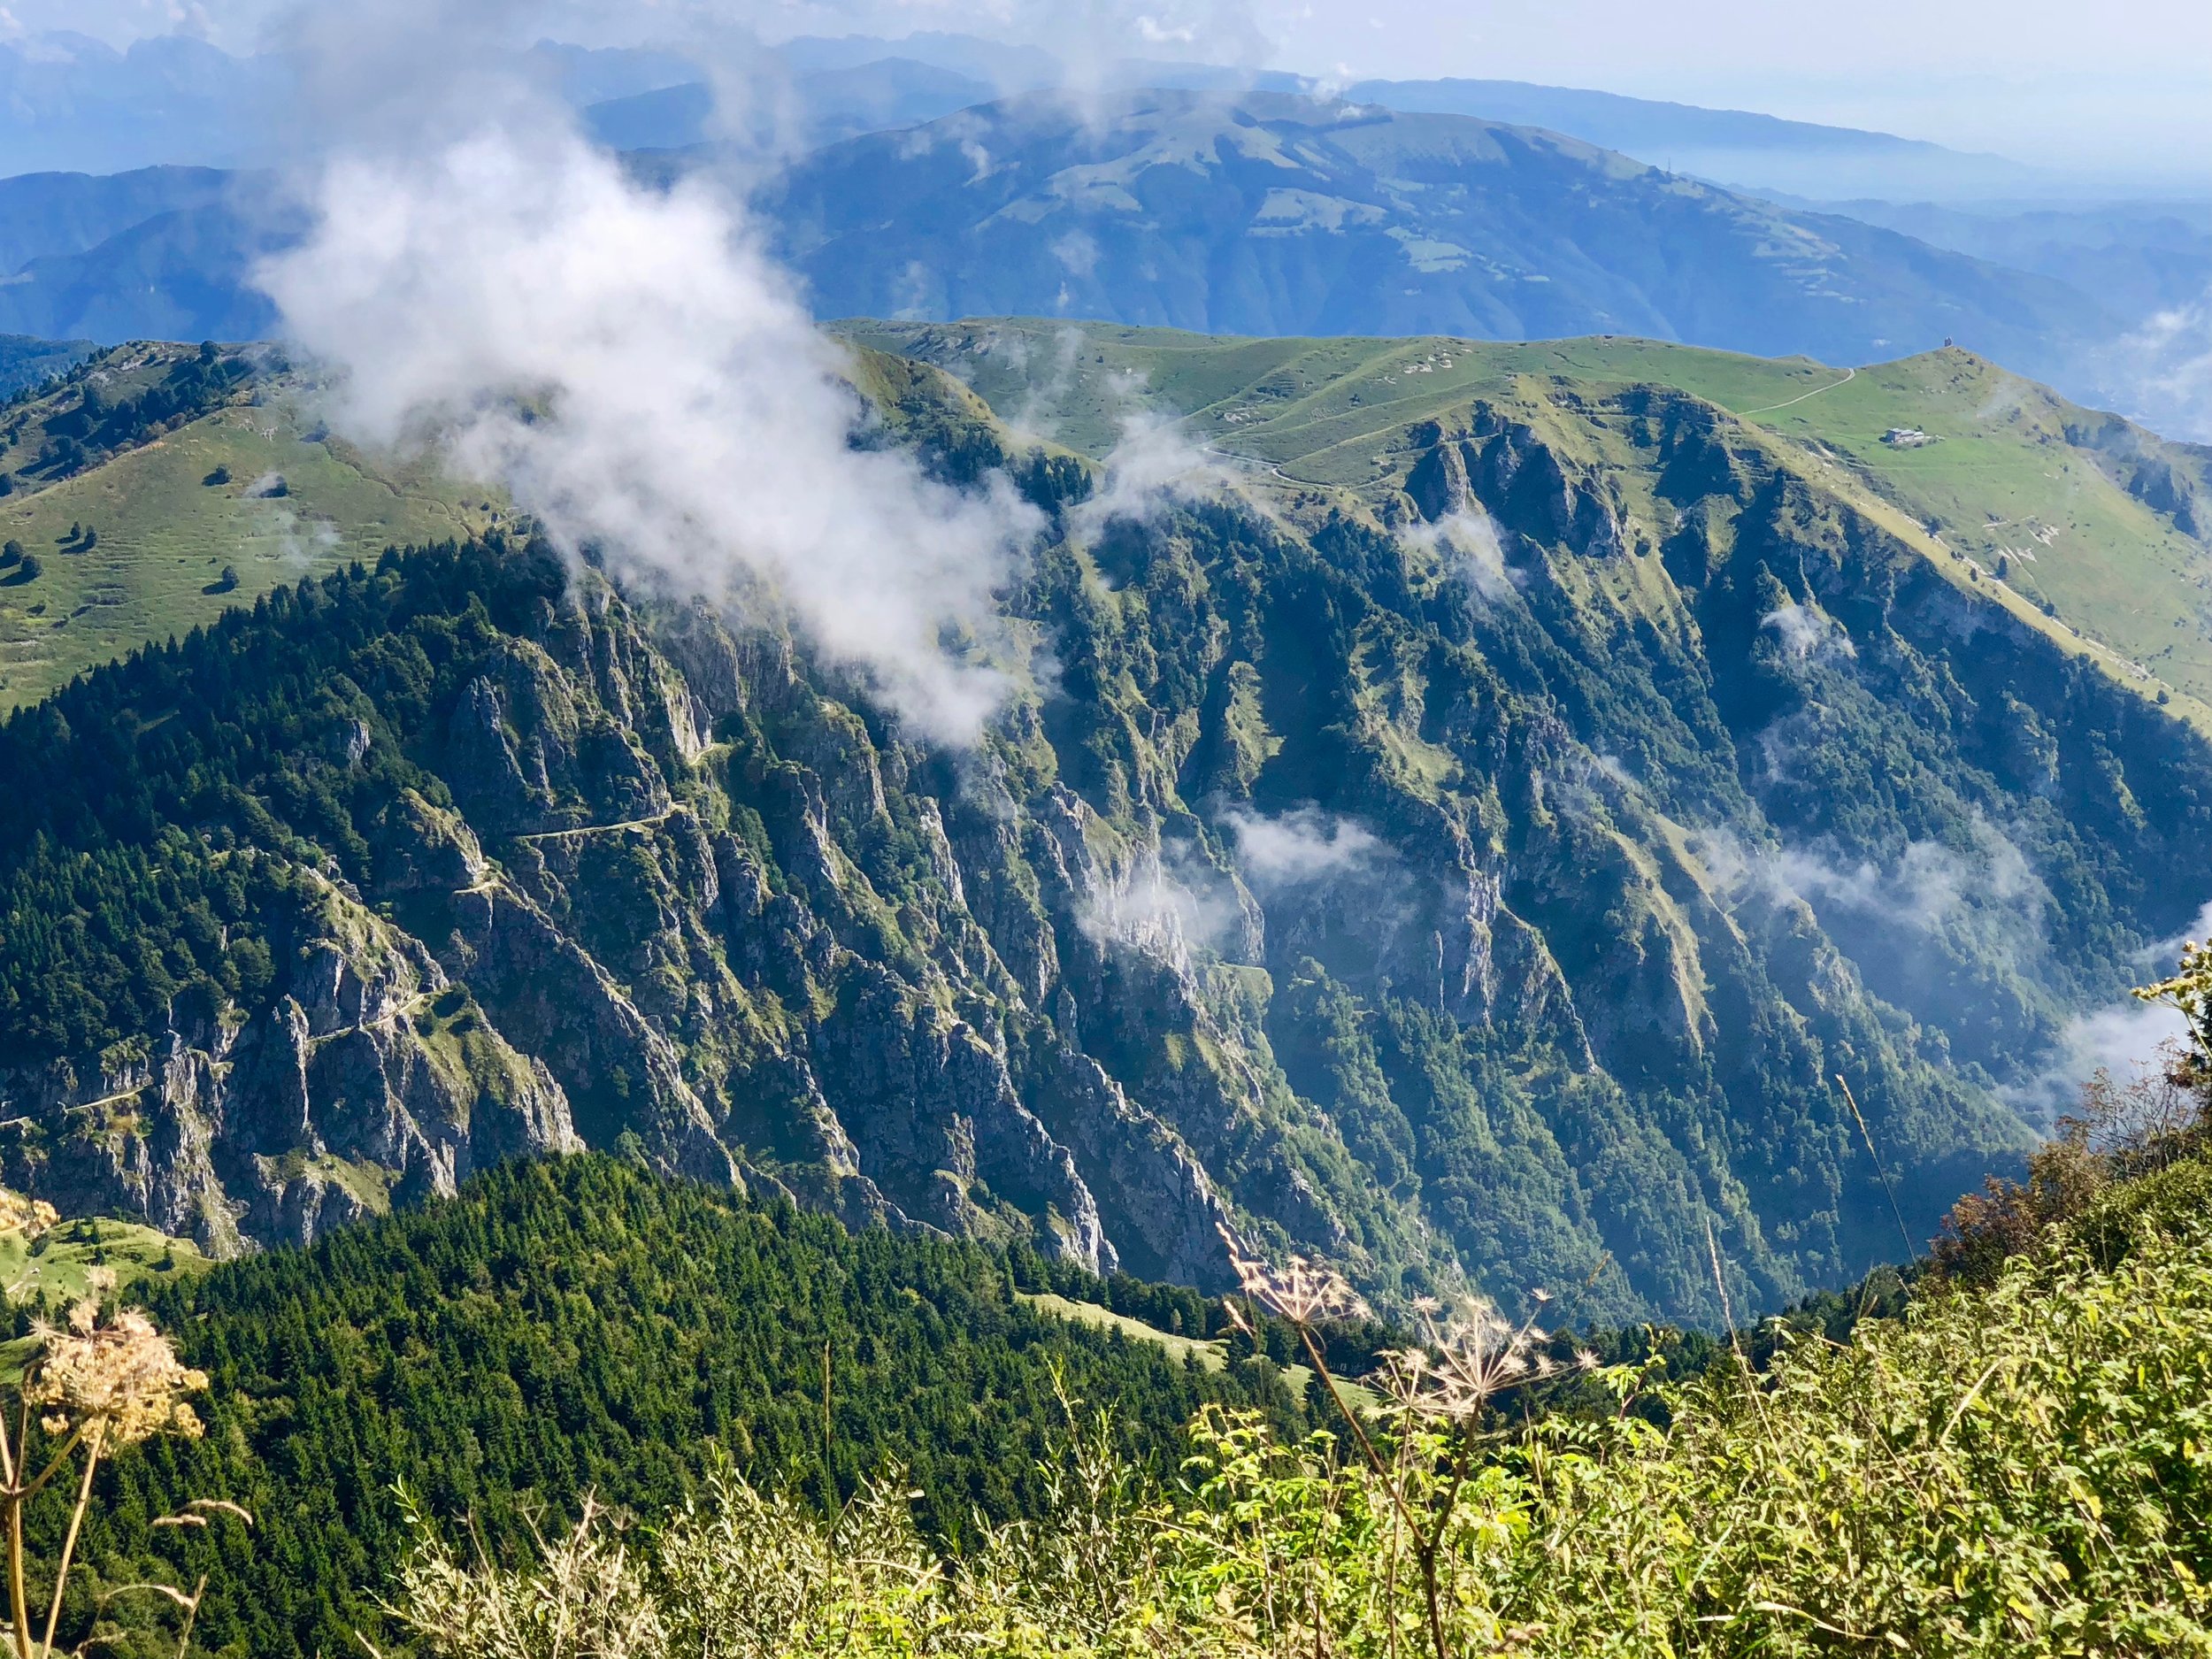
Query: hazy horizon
point(2123, 95)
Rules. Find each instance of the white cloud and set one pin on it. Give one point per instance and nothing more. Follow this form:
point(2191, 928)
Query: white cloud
point(1173, 900)
point(2162, 956)
point(1078, 250)
point(1807, 635)
point(2124, 1039)
point(1303, 845)
point(634, 370)
point(1927, 886)
point(301, 552)
point(1153, 467)
point(1043, 388)
point(2166, 368)
point(1166, 903)
point(1471, 541)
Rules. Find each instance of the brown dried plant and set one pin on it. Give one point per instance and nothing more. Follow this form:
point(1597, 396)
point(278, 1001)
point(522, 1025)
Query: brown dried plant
point(1304, 1291)
point(29, 1217)
point(1440, 1388)
point(1468, 1355)
point(93, 1384)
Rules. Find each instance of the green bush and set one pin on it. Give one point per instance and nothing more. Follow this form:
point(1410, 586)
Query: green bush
point(2018, 1471)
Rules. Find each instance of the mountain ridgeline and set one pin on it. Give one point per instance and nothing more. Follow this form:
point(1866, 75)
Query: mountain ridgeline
point(1261, 212)
point(1461, 910)
point(1268, 214)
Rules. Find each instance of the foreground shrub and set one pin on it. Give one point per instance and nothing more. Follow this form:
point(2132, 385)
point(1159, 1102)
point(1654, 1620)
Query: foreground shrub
point(2025, 1471)
point(105, 1381)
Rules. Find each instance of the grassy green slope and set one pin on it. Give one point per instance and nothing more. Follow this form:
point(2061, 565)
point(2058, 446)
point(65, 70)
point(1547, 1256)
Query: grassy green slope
point(2009, 485)
point(164, 535)
point(2012, 483)
point(56, 1264)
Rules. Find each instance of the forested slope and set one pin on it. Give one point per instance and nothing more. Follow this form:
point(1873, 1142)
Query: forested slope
point(580, 1327)
point(1493, 911)
point(2016, 1465)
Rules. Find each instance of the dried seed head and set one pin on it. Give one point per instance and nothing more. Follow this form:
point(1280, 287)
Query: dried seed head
point(122, 1374)
point(1471, 1353)
point(1304, 1291)
point(30, 1216)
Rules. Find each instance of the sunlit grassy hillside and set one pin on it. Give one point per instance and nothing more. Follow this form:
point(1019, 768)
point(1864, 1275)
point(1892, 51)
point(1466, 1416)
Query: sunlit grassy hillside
point(2105, 524)
point(255, 487)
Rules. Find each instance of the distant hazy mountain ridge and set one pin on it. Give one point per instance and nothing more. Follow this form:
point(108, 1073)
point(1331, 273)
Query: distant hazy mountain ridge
point(1270, 214)
point(1260, 213)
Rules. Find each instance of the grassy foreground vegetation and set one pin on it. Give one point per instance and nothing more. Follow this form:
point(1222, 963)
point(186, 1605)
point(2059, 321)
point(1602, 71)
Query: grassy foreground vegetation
point(580, 1411)
point(576, 1327)
point(2018, 1471)
point(2020, 1465)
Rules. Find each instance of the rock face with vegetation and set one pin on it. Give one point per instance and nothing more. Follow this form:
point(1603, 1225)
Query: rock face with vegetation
point(1478, 881)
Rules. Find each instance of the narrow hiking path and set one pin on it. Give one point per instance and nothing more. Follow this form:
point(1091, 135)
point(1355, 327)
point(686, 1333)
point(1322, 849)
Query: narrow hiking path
point(1848, 376)
point(661, 817)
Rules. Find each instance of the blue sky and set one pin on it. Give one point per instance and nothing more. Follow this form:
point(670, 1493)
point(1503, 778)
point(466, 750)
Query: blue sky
point(2048, 81)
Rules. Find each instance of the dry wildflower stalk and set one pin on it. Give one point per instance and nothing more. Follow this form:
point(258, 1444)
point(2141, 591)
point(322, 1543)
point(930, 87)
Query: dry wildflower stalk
point(96, 1384)
point(1300, 1294)
point(1469, 1354)
point(585, 1599)
point(29, 1217)
point(2188, 993)
point(1880, 1169)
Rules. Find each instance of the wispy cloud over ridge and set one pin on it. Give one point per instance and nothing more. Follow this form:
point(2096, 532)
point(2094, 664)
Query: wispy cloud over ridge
point(631, 365)
point(1303, 845)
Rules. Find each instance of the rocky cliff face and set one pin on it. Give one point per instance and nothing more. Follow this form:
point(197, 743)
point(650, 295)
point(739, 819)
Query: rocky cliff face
point(1492, 913)
point(365, 1073)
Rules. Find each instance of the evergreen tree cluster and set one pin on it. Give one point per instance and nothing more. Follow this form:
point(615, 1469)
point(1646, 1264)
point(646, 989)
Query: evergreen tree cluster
point(132, 879)
point(576, 1326)
point(90, 421)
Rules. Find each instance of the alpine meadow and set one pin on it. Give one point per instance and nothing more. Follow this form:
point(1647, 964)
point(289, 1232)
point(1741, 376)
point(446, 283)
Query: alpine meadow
point(1121, 830)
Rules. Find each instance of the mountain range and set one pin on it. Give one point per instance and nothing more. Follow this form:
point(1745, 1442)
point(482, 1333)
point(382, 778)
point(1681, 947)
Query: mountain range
point(1464, 838)
point(1260, 213)
point(884, 850)
point(929, 78)
point(75, 103)
point(1476, 207)
point(1267, 214)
